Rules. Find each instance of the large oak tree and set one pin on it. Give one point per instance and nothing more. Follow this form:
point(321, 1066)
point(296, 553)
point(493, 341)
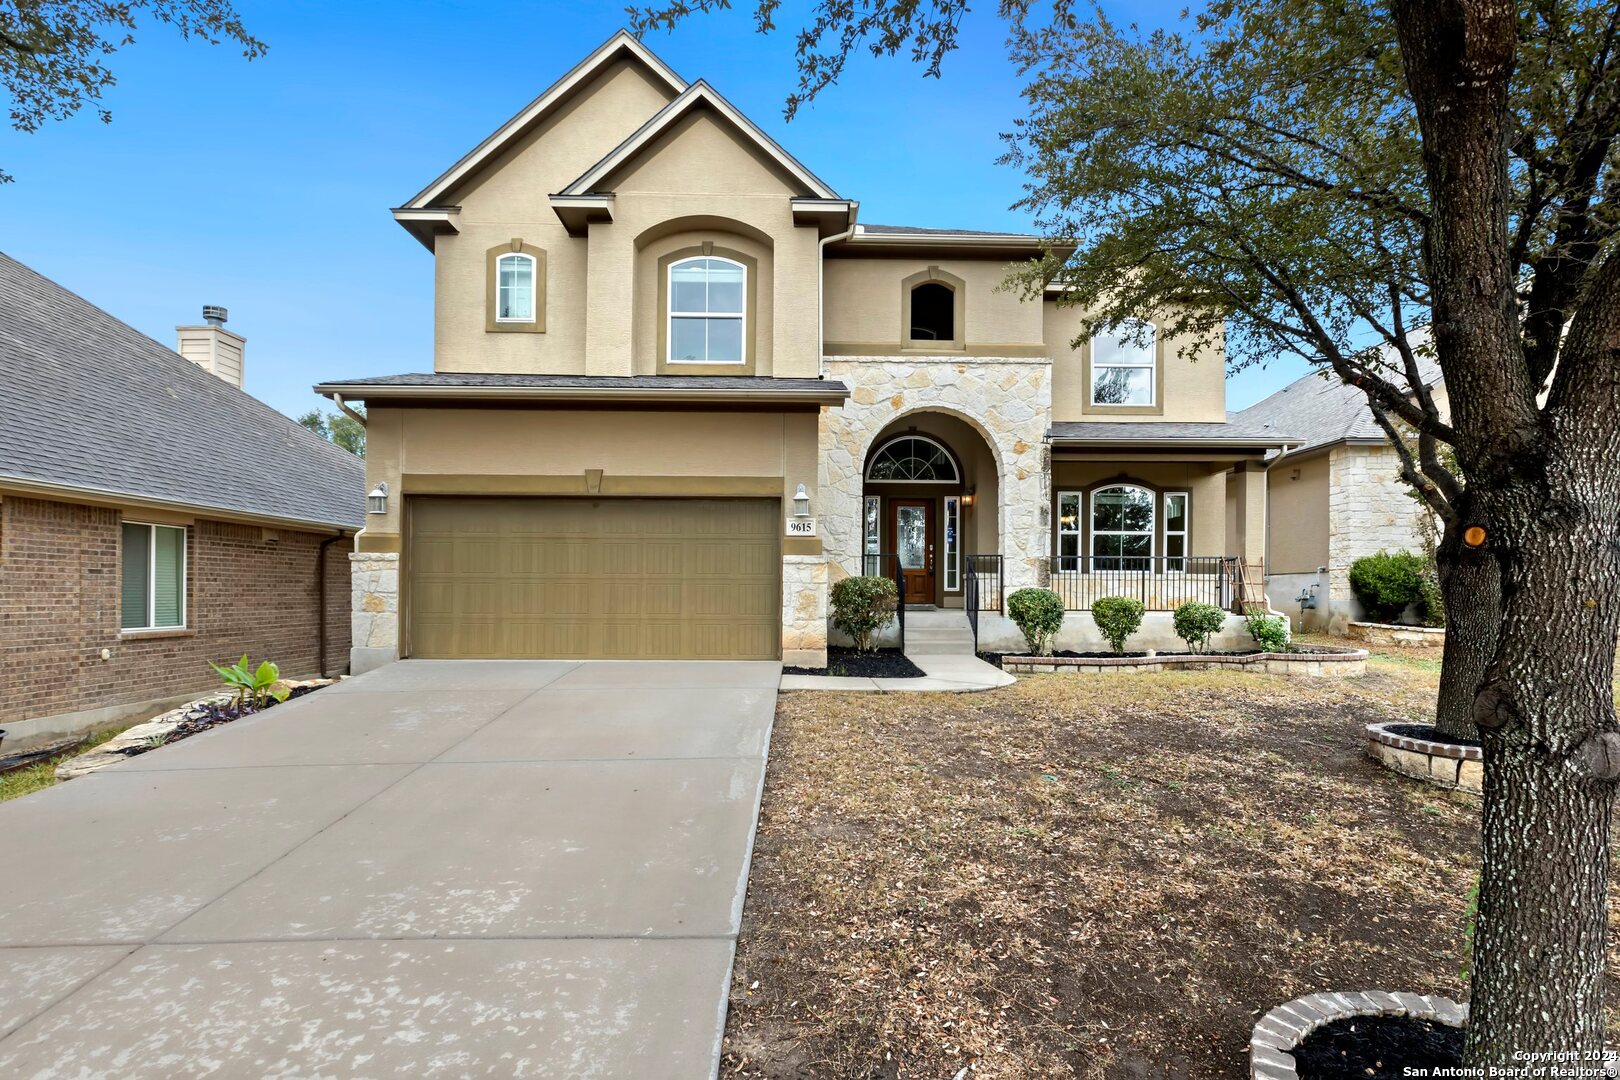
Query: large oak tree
point(1370, 186)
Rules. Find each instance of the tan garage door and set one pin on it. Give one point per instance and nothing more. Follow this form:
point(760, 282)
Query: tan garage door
point(594, 578)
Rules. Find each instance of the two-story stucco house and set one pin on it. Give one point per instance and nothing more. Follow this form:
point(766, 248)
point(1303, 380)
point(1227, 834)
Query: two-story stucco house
point(679, 389)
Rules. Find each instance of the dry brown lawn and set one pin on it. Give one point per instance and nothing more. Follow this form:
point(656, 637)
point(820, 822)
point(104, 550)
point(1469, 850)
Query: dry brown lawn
point(1099, 877)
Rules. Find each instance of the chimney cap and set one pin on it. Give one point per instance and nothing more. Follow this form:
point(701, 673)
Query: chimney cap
point(214, 314)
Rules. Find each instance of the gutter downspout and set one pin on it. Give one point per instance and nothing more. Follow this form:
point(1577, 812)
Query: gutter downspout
point(320, 587)
point(358, 417)
point(821, 288)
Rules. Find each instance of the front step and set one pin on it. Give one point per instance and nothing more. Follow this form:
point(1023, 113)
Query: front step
point(942, 632)
point(939, 648)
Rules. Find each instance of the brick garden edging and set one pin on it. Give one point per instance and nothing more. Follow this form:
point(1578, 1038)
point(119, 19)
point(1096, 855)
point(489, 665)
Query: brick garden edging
point(1377, 633)
point(1286, 1026)
point(1323, 660)
point(1446, 764)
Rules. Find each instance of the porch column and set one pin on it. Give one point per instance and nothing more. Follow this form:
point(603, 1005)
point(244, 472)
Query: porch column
point(1249, 503)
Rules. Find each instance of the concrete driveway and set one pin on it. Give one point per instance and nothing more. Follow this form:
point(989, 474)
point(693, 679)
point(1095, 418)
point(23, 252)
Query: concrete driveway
point(439, 868)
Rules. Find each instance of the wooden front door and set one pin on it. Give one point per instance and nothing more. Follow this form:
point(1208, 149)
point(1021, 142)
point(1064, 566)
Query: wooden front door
point(911, 535)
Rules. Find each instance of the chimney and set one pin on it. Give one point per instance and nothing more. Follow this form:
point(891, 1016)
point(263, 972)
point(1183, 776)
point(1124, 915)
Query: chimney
point(212, 347)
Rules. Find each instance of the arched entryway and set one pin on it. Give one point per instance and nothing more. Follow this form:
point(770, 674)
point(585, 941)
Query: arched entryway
point(929, 507)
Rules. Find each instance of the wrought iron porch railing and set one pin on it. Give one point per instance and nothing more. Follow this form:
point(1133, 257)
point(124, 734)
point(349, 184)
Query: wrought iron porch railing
point(987, 568)
point(1161, 583)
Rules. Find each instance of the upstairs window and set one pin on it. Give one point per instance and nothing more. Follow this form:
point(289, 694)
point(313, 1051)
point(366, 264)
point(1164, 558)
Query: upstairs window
point(933, 312)
point(707, 321)
point(514, 288)
point(1124, 369)
point(152, 570)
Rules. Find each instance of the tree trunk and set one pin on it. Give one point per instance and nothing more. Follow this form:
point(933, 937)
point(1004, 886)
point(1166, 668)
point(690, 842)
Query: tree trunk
point(1546, 713)
point(1471, 585)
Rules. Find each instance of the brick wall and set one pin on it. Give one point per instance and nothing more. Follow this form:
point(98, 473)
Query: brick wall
point(59, 609)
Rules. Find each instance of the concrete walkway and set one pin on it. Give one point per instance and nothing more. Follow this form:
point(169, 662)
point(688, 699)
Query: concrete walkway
point(436, 869)
point(937, 640)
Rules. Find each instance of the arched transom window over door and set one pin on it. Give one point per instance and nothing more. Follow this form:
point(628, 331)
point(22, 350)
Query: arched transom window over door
point(1122, 528)
point(707, 316)
point(913, 459)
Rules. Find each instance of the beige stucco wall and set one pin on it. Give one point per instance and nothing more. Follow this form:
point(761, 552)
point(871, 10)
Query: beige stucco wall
point(1194, 382)
point(1205, 484)
point(864, 307)
point(1298, 515)
point(508, 199)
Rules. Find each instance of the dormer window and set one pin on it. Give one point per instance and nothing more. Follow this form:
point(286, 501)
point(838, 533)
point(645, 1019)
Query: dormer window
point(707, 314)
point(514, 288)
point(1124, 369)
point(933, 312)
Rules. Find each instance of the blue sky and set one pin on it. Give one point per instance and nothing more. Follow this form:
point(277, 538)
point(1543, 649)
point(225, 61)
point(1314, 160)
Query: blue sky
point(266, 186)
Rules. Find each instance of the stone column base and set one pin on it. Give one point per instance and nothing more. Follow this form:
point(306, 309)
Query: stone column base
point(374, 610)
point(804, 610)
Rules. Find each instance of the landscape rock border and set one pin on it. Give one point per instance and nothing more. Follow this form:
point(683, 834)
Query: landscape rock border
point(1321, 660)
point(1445, 764)
point(1286, 1026)
point(1377, 633)
point(160, 727)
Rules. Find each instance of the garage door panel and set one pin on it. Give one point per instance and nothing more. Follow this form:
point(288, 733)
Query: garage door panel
point(617, 578)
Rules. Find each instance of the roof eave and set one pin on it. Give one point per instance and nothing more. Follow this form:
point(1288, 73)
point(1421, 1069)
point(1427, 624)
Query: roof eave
point(832, 394)
point(76, 492)
point(425, 223)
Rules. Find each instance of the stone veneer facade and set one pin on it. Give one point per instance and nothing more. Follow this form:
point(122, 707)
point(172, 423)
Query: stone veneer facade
point(374, 576)
point(1369, 510)
point(1007, 400)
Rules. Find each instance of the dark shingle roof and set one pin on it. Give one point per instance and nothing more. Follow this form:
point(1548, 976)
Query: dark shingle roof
point(913, 230)
point(1236, 430)
point(1323, 410)
point(93, 404)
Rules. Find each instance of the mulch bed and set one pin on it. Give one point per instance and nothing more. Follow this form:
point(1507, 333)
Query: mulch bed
point(1377, 1048)
point(1430, 733)
point(1086, 879)
point(881, 664)
point(210, 714)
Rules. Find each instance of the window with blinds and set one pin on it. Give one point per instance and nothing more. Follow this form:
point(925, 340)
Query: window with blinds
point(153, 577)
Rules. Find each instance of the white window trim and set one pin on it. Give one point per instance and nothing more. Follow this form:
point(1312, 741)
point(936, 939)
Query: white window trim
point(941, 447)
point(1078, 532)
point(953, 555)
point(1092, 532)
point(671, 315)
point(1151, 366)
point(151, 528)
point(1185, 532)
point(534, 286)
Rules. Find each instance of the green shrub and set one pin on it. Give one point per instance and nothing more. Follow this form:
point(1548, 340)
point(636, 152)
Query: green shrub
point(253, 685)
point(1270, 632)
point(1196, 623)
point(1387, 582)
point(1431, 602)
point(1118, 617)
point(862, 606)
point(1039, 614)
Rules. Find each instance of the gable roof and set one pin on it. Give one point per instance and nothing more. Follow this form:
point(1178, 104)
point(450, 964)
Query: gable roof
point(698, 94)
point(93, 406)
point(620, 44)
point(1324, 410)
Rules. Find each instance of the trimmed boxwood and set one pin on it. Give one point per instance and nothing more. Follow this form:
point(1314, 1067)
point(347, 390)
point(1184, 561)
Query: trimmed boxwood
point(1387, 582)
point(1270, 632)
point(861, 606)
point(1039, 614)
point(1196, 623)
point(1118, 617)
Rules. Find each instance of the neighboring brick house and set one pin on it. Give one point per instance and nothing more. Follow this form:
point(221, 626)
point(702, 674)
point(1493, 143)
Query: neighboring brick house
point(153, 517)
point(1332, 499)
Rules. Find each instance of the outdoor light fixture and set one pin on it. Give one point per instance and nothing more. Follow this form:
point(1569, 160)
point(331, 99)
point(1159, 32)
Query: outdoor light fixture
point(801, 503)
point(967, 497)
point(377, 501)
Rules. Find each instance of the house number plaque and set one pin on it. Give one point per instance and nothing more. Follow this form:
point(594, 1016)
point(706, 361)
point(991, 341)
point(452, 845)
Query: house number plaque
point(801, 526)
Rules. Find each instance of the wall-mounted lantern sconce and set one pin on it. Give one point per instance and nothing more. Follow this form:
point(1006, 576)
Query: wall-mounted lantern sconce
point(801, 503)
point(967, 497)
point(377, 501)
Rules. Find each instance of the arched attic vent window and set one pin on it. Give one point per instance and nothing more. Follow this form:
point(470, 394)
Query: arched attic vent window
point(913, 459)
point(933, 312)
